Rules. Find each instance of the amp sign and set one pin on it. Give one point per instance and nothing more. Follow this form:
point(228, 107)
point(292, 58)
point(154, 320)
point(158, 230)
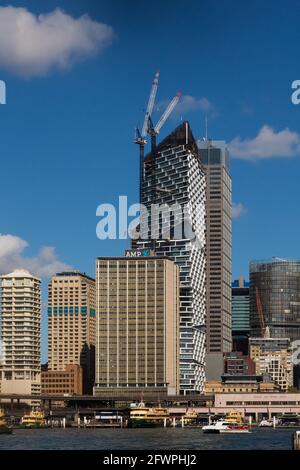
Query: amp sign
point(137, 253)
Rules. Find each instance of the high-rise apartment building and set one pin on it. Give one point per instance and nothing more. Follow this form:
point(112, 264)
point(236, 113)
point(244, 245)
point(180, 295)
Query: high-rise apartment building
point(215, 159)
point(20, 331)
point(137, 347)
point(174, 178)
point(240, 315)
point(274, 357)
point(275, 298)
point(72, 324)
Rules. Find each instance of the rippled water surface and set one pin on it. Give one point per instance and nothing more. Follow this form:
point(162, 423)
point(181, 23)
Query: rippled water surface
point(172, 439)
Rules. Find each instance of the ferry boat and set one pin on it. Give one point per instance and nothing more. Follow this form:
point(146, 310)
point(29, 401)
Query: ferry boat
point(190, 417)
point(234, 416)
point(4, 429)
point(225, 427)
point(144, 417)
point(35, 419)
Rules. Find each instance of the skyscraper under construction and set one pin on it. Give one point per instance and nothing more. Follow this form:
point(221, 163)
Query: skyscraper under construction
point(173, 182)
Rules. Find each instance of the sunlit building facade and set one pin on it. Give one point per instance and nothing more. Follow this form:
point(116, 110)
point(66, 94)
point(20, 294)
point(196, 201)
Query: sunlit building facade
point(72, 324)
point(137, 345)
point(20, 333)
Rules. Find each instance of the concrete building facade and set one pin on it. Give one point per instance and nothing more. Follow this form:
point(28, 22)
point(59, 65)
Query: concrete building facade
point(137, 347)
point(240, 384)
point(236, 363)
point(72, 324)
point(20, 333)
point(215, 159)
point(274, 357)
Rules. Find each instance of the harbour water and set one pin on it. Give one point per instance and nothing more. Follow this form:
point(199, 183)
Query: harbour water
point(144, 439)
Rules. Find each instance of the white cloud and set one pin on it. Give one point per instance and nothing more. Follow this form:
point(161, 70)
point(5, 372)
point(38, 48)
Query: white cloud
point(33, 45)
point(267, 144)
point(189, 103)
point(44, 264)
point(238, 210)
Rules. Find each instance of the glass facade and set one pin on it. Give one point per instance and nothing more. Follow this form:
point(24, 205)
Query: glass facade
point(240, 316)
point(275, 286)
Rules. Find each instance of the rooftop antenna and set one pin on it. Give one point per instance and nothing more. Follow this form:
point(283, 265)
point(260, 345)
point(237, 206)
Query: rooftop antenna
point(206, 129)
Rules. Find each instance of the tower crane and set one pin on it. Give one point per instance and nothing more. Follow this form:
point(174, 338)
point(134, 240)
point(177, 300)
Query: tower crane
point(153, 131)
point(140, 137)
point(149, 128)
point(262, 326)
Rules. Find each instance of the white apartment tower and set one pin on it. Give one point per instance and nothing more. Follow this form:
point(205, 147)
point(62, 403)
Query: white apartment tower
point(173, 176)
point(20, 332)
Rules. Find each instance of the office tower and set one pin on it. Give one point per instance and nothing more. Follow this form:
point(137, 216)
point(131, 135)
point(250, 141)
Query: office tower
point(137, 346)
point(274, 357)
point(174, 177)
point(240, 315)
point(20, 330)
point(215, 158)
point(275, 298)
point(72, 324)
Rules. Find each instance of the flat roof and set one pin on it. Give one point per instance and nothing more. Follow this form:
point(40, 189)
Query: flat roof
point(134, 258)
point(74, 273)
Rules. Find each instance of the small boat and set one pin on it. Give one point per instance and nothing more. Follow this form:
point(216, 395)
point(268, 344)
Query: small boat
point(233, 423)
point(225, 427)
point(145, 417)
point(33, 420)
point(266, 423)
point(4, 429)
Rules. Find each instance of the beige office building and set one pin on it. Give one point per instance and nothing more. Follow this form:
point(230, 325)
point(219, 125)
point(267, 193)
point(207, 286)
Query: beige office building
point(20, 331)
point(137, 348)
point(273, 356)
point(72, 324)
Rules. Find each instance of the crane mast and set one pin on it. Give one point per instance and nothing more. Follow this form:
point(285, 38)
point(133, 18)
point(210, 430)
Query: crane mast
point(260, 313)
point(140, 137)
point(148, 128)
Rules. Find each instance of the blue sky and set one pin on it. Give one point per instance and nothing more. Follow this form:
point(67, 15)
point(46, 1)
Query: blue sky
point(66, 131)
